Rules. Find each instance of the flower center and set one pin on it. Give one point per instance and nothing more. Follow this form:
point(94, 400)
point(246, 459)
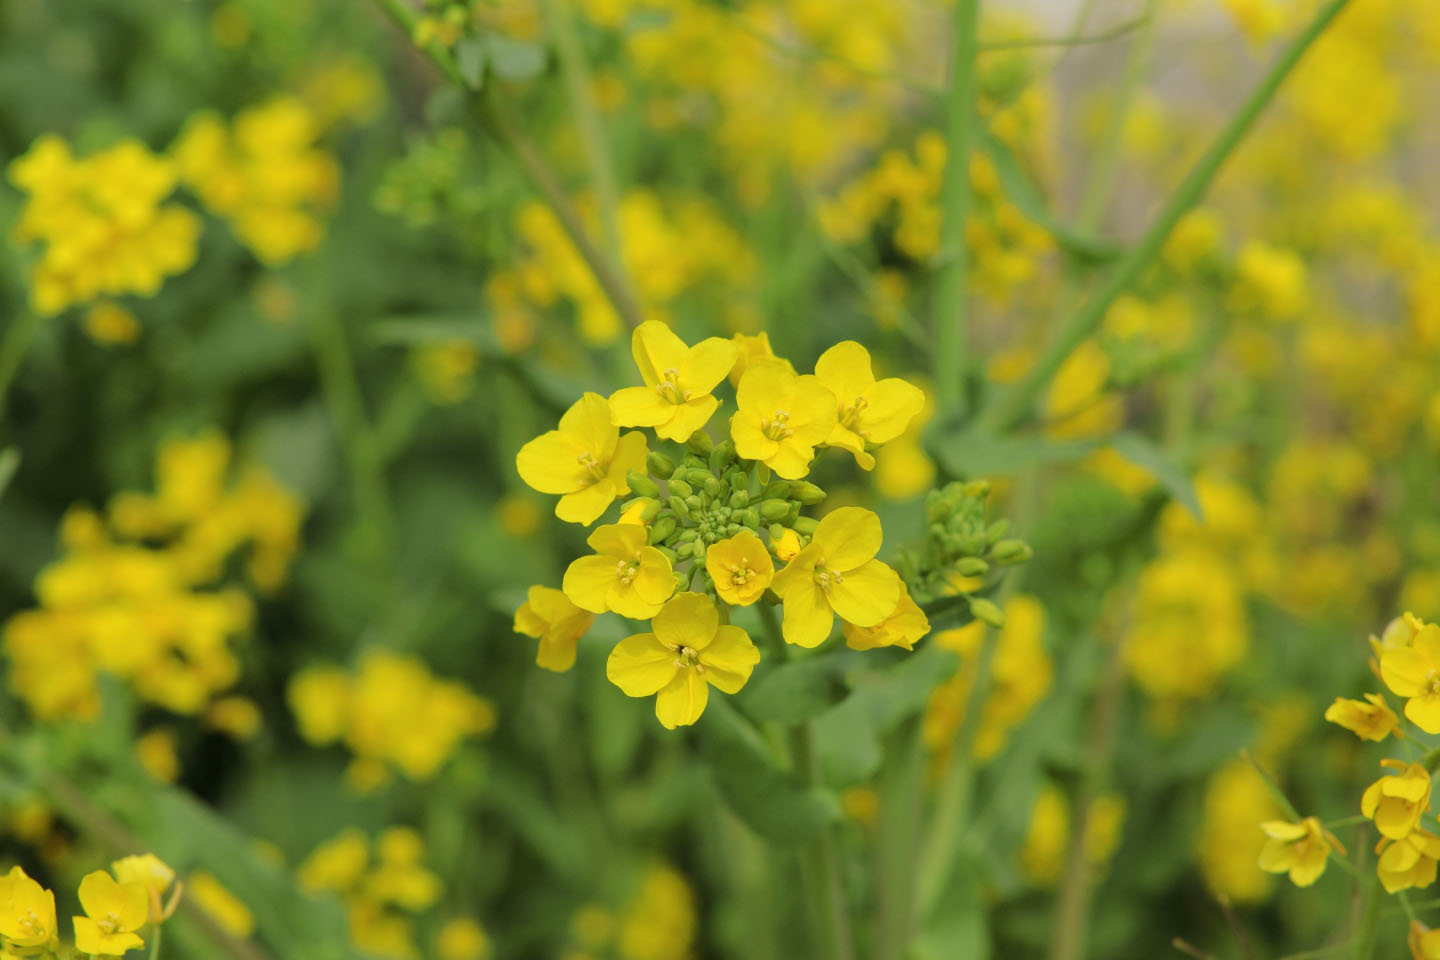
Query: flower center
point(740, 575)
point(778, 426)
point(852, 412)
point(30, 923)
point(826, 578)
point(669, 387)
point(592, 465)
point(1432, 683)
point(109, 924)
point(688, 657)
point(627, 568)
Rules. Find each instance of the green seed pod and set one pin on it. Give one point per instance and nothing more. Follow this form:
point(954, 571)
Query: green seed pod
point(679, 488)
point(740, 499)
point(1010, 552)
point(987, 612)
point(681, 508)
point(641, 484)
point(669, 554)
point(651, 511)
point(660, 530)
point(659, 464)
point(805, 526)
point(806, 492)
point(700, 442)
point(972, 567)
point(685, 549)
point(997, 530)
point(777, 490)
point(721, 456)
point(774, 509)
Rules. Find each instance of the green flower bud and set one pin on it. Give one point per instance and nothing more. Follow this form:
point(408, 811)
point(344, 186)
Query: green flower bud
point(679, 488)
point(777, 490)
point(774, 509)
point(660, 530)
point(651, 511)
point(700, 442)
point(776, 532)
point(659, 464)
point(971, 544)
point(681, 508)
point(740, 499)
point(793, 513)
point(692, 462)
point(972, 567)
point(750, 517)
point(688, 534)
point(732, 529)
point(670, 555)
point(721, 456)
point(987, 612)
point(806, 492)
point(1010, 552)
point(997, 530)
point(805, 526)
point(976, 489)
point(737, 479)
point(711, 485)
point(685, 549)
point(698, 553)
point(641, 484)
point(694, 503)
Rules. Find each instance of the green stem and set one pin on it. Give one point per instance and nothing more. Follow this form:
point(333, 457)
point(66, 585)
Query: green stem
point(1016, 405)
point(19, 335)
point(952, 306)
point(155, 941)
point(902, 791)
point(1369, 922)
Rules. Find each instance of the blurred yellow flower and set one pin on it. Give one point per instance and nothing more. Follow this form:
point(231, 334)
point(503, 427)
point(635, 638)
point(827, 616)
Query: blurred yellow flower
point(905, 625)
point(1396, 803)
point(1413, 672)
point(220, 904)
point(27, 911)
point(1409, 862)
point(1299, 849)
point(549, 616)
point(113, 913)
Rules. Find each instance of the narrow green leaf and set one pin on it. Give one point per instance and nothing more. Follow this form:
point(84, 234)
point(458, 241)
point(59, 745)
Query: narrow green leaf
point(797, 691)
point(976, 452)
point(1142, 452)
point(9, 463)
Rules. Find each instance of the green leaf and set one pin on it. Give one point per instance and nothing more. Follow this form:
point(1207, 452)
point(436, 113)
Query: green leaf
point(771, 801)
point(956, 929)
point(470, 61)
point(797, 691)
point(974, 452)
point(512, 59)
point(1140, 451)
point(9, 463)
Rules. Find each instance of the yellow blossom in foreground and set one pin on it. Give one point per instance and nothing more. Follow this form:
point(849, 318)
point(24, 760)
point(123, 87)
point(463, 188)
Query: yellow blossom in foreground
point(1299, 849)
point(549, 616)
point(1409, 862)
point(869, 411)
point(624, 575)
point(150, 872)
point(113, 912)
point(1371, 720)
point(1412, 672)
point(781, 418)
point(1396, 803)
point(741, 568)
point(676, 398)
point(837, 573)
point(585, 460)
point(902, 628)
point(27, 911)
point(689, 650)
point(220, 904)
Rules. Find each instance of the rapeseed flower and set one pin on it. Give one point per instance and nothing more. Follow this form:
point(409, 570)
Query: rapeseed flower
point(1413, 672)
point(740, 568)
point(782, 418)
point(549, 616)
point(625, 575)
point(27, 911)
point(688, 652)
point(869, 411)
point(114, 911)
point(1370, 719)
point(1299, 849)
point(585, 460)
point(1409, 862)
point(837, 573)
point(905, 625)
point(1396, 803)
point(676, 399)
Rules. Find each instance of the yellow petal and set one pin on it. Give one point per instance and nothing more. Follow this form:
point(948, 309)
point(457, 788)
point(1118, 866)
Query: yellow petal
point(750, 442)
point(629, 455)
point(639, 407)
point(729, 658)
point(687, 620)
point(790, 460)
point(1424, 712)
point(812, 411)
point(640, 665)
point(556, 653)
point(682, 700)
point(588, 421)
point(765, 387)
point(709, 362)
point(1276, 857)
point(655, 580)
point(1283, 829)
point(656, 349)
point(808, 618)
point(686, 418)
point(1405, 671)
point(798, 574)
point(866, 595)
point(585, 505)
point(588, 580)
point(845, 369)
point(1308, 868)
point(550, 463)
point(847, 538)
point(619, 540)
point(891, 405)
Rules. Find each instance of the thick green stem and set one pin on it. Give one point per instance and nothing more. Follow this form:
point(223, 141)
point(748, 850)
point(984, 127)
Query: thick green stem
point(19, 335)
point(952, 306)
point(1016, 405)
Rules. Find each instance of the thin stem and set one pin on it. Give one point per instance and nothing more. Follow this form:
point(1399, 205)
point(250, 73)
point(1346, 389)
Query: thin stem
point(1070, 40)
point(1016, 405)
point(952, 306)
point(19, 335)
point(155, 941)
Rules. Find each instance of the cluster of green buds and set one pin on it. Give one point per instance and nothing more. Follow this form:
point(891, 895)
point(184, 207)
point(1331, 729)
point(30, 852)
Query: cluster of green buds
point(709, 495)
point(963, 542)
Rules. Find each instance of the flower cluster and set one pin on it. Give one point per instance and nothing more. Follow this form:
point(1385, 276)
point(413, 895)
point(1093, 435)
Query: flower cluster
point(141, 594)
point(390, 712)
point(116, 907)
point(102, 220)
point(727, 530)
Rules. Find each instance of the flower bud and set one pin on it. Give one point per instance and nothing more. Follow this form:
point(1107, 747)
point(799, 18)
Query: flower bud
point(698, 553)
point(641, 484)
point(777, 489)
point(692, 462)
point(679, 488)
point(750, 517)
point(700, 442)
point(694, 503)
point(651, 511)
point(806, 492)
point(721, 456)
point(774, 509)
point(660, 530)
point(972, 567)
point(997, 530)
point(987, 612)
point(659, 464)
point(1010, 552)
point(805, 526)
point(688, 534)
point(737, 479)
point(711, 485)
point(739, 499)
point(681, 508)
point(685, 549)
point(976, 489)
point(670, 554)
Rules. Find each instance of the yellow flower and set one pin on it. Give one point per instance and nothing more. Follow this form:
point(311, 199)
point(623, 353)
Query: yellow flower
point(558, 624)
point(624, 575)
point(150, 872)
point(837, 573)
point(740, 567)
point(689, 650)
point(1408, 863)
point(676, 398)
point(751, 349)
point(27, 911)
point(1368, 721)
point(902, 628)
point(787, 548)
point(1299, 849)
point(220, 904)
point(1424, 943)
point(462, 939)
point(1396, 803)
point(782, 418)
point(585, 460)
point(114, 911)
point(869, 411)
point(1414, 672)
point(337, 864)
point(107, 322)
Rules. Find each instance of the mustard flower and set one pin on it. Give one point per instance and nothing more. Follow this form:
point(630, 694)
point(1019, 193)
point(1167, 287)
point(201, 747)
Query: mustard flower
point(27, 911)
point(624, 575)
point(837, 573)
point(1413, 672)
point(906, 624)
point(1424, 943)
point(751, 349)
point(585, 460)
point(869, 410)
point(1372, 720)
point(1409, 862)
point(1299, 849)
point(549, 616)
point(153, 874)
point(1396, 803)
point(688, 651)
point(741, 568)
point(781, 418)
point(113, 912)
point(676, 398)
